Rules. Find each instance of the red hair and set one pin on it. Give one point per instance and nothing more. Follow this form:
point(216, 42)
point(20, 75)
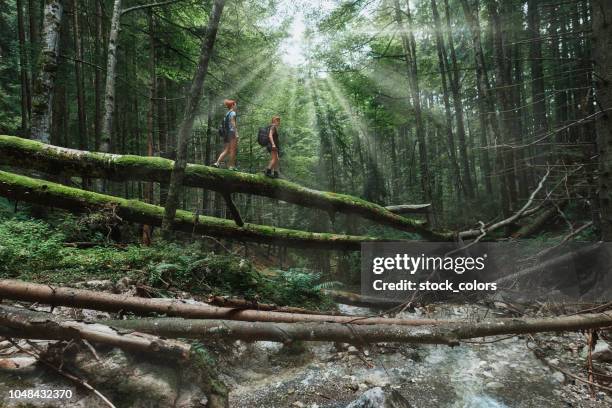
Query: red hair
point(229, 103)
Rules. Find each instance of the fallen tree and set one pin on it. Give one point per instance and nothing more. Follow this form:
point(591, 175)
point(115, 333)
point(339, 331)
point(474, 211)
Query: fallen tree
point(63, 296)
point(23, 323)
point(409, 208)
point(353, 299)
point(450, 333)
point(50, 159)
point(72, 199)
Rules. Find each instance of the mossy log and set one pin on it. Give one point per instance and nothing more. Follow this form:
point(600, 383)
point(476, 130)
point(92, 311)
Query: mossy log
point(450, 333)
point(50, 159)
point(75, 200)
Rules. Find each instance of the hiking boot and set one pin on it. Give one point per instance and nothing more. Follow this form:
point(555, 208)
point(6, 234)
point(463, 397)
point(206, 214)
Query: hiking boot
point(276, 174)
point(268, 173)
point(216, 165)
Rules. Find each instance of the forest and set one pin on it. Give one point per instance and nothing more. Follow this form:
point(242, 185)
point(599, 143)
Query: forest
point(192, 192)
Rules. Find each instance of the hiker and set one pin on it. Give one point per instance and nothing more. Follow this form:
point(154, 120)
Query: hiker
point(229, 131)
point(273, 147)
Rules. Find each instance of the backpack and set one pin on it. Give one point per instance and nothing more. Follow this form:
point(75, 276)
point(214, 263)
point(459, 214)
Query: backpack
point(223, 127)
point(263, 136)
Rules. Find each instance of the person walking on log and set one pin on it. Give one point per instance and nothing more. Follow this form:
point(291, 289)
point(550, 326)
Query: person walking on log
point(273, 147)
point(229, 130)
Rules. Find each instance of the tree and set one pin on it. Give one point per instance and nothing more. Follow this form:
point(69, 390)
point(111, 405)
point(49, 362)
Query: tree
point(193, 101)
point(42, 98)
point(602, 55)
point(409, 45)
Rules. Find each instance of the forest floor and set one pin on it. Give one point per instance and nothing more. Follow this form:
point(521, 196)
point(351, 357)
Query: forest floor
point(512, 372)
point(499, 374)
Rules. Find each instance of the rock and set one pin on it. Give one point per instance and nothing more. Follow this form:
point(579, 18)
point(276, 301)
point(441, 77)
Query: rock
point(380, 398)
point(377, 378)
point(558, 377)
point(298, 404)
point(494, 385)
point(602, 352)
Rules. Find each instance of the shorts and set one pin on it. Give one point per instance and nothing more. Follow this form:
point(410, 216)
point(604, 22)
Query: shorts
point(229, 136)
point(269, 147)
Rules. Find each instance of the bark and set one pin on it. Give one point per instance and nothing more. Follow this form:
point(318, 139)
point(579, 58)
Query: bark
point(33, 21)
point(486, 117)
point(450, 333)
point(42, 97)
point(98, 75)
point(53, 160)
point(62, 296)
point(602, 55)
point(23, 72)
point(409, 208)
point(191, 108)
point(78, 72)
point(503, 83)
point(23, 323)
point(458, 104)
point(538, 95)
point(442, 64)
point(353, 299)
point(409, 47)
point(238, 303)
point(111, 67)
point(537, 223)
point(71, 199)
point(147, 230)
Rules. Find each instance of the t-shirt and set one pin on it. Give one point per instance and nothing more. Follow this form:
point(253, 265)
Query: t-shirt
point(229, 124)
point(274, 135)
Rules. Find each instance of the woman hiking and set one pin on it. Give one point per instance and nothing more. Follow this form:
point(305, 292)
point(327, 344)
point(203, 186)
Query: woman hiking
point(230, 135)
point(273, 147)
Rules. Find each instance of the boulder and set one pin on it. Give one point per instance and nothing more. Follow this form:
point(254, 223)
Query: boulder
point(380, 398)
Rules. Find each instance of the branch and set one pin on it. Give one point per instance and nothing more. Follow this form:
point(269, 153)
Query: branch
point(480, 233)
point(63, 296)
point(147, 6)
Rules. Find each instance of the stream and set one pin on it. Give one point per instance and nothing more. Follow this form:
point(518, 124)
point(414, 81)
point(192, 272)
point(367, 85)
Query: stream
point(501, 374)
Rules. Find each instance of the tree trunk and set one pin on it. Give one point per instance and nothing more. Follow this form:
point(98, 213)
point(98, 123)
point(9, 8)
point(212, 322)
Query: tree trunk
point(538, 93)
point(458, 104)
point(98, 46)
point(450, 333)
point(63, 296)
point(111, 66)
point(409, 46)
point(52, 159)
point(184, 133)
point(147, 230)
point(42, 99)
point(78, 68)
point(602, 55)
point(26, 101)
point(487, 116)
point(442, 64)
point(71, 199)
point(24, 323)
point(503, 83)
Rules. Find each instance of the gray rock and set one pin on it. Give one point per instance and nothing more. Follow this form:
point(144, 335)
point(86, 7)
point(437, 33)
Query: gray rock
point(380, 398)
point(602, 352)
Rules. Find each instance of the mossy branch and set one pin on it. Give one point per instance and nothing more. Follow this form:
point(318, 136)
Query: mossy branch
point(75, 200)
point(50, 159)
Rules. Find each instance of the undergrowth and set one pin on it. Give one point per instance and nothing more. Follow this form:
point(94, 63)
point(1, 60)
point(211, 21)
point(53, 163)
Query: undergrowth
point(35, 250)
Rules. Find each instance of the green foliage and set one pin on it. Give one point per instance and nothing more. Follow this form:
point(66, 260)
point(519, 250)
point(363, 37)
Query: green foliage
point(28, 246)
